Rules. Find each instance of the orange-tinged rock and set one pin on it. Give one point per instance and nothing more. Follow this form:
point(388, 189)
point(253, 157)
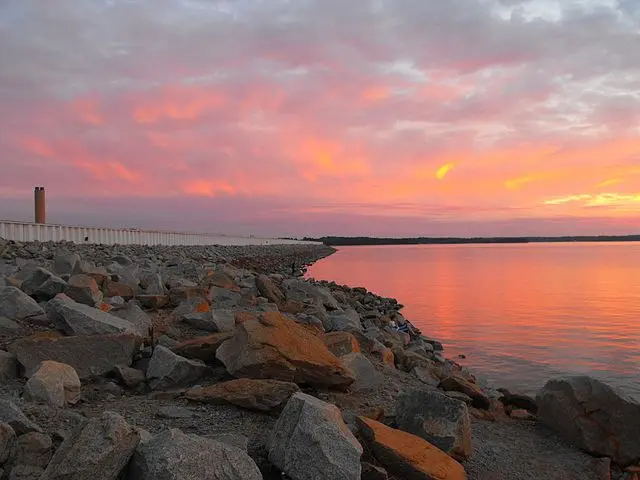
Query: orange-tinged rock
point(222, 280)
point(202, 348)
point(275, 347)
point(242, 317)
point(407, 456)
point(341, 343)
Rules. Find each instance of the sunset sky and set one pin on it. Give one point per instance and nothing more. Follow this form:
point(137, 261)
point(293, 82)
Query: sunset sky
point(347, 117)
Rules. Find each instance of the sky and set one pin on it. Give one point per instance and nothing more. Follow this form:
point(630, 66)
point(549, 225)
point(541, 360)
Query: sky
point(324, 117)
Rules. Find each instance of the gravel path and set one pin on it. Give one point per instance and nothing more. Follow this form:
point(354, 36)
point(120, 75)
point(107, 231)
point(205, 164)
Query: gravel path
point(520, 450)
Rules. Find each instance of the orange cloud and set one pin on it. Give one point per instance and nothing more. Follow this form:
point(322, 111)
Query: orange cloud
point(444, 170)
point(177, 103)
point(374, 94)
point(207, 188)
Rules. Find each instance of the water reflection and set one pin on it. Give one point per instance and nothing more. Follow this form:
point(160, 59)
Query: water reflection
point(520, 313)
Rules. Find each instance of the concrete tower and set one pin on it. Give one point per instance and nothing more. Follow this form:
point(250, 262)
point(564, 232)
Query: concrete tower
point(40, 206)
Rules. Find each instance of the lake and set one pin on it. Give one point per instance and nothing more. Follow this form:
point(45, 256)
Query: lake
point(520, 313)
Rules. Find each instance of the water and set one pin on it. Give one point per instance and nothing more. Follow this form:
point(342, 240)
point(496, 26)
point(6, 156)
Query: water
point(520, 313)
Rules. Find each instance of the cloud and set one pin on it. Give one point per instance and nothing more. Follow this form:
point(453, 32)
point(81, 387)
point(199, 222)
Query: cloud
point(325, 103)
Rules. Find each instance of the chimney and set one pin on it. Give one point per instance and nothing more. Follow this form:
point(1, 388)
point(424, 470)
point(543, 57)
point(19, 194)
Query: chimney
point(40, 208)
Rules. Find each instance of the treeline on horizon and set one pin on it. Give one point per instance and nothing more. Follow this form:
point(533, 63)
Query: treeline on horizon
point(348, 241)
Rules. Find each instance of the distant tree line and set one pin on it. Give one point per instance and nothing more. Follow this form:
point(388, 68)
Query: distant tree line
point(346, 241)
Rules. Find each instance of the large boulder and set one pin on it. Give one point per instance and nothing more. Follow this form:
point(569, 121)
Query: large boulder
point(407, 456)
point(341, 343)
point(310, 440)
point(65, 263)
point(77, 319)
point(261, 395)
point(53, 383)
point(279, 348)
point(202, 348)
point(300, 290)
point(167, 370)
point(367, 376)
point(90, 356)
point(440, 420)
point(173, 455)
point(593, 416)
point(11, 414)
point(34, 449)
point(269, 290)
point(136, 316)
point(343, 321)
point(17, 305)
point(218, 320)
point(98, 449)
point(223, 298)
point(7, 442)
point(456, 383)
point(83, 289)
point(43, 285)
point(8, 366)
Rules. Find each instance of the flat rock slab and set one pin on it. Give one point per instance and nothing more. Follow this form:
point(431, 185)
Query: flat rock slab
point(167, 370)
point(202, 348)
point(458, 384)
point(341, 343)
point(11, 414)
point(261, 395)
point(17, 305)
point(524, 451)
point(90, 356)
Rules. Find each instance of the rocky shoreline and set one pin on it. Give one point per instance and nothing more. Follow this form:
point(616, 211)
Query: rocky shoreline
point(137, 362)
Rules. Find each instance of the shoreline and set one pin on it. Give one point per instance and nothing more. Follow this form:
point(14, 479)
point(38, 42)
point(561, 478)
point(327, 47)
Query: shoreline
point(200, 318)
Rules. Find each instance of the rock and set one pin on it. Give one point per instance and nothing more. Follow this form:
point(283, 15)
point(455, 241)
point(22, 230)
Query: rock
point(222, 280)
point(129, 377)
point(136, 316)
point(53, 383)
point(177, 295)
point(367, 376)
point(17, 305)
point(8, 326)
point(459, 384)
point(371, 472)
point(168, 370)
point(426, 375)
point(190, 306)
point(118, 289)
point(299, 290)
point(440, 420)
point(279, 348)
point(408, 456)
point(269, 290)
point(220, 320)
point(223, 298)
point(12, 415)
point(65, 263)
point(232, 439)
point(34, 449)
point(8, 366)
point(112, 389)
point(43, 285)
point(341, 343)
point(520, 414)
point(202, 348)
point(310, 440)
point(153, 284)
point(593, 416)
point(153, 302)
point(7, 442)
point(77, 319)
point(90, 356)
point(97, 450)
point(343, 321)
point(83, 289)
point(463, 397)
point(173, 455)
point(174, 412)
point(26, 472)
point(261, 395)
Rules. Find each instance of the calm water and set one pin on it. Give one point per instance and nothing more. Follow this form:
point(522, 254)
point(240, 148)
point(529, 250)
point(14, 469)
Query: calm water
point(520, 313)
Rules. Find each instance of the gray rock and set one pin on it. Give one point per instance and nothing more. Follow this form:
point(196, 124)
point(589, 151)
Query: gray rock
point(269, 290)
point(7, 442)
point(223, 298)
point(152, 284)
point(167, 341)
point(300, 290)
point(83, 289)
point(167, 370)
point(11, 414)
point(112, 388)
point(129, 377)
point(426, 375)
point(310, 440)
point(90, 356)
point(460, 396)
point(8, 366)
point(26, 472)
point(78, 319)
point(173, 455)
point(172, 411)
point(8, 326)
point(43, 285)
point(593, 416)
point(136, 316)
point(367, 376)
point(53, 383)
point(343, 321)
point(17, 305)
point(97, 450)
point(440, 420)
point(219, 320)
point(65, 263)
point(232, 439)
point(34, 449)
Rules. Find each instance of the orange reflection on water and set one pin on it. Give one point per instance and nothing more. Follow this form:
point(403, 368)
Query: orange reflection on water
point(520, 313)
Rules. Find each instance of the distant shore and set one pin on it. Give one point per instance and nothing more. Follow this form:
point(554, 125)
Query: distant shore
point(363, 241)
